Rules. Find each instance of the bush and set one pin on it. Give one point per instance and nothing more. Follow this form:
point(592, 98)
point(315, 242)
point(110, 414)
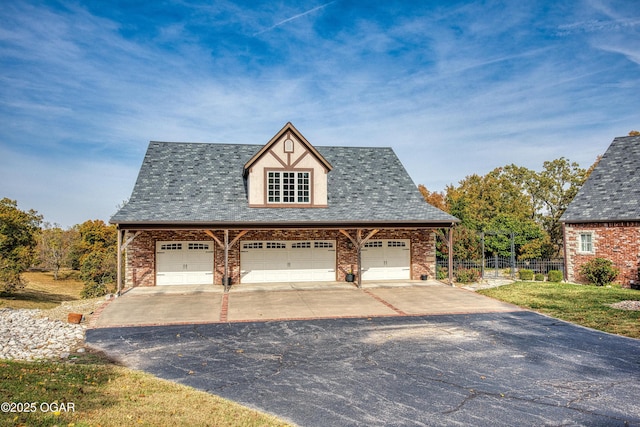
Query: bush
point(539, 277)
point(467, 275)
point(10, 280)
point(525, 274)
point(93, 290)
point(443, 273)
point(98, 270)
point(599, 271)
point(555, 276)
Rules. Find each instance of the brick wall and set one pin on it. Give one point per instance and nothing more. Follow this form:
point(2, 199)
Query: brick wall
point(140, 254)
point(618, 242)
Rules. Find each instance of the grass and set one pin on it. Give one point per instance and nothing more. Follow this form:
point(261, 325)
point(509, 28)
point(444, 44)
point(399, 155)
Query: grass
point(42, 292)
point(97, 393)
point(102, 393)
point(584, 305)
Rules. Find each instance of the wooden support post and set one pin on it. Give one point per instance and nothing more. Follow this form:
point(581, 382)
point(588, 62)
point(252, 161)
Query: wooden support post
point(225, 278)
point(119, 267)
point(450, 256)
point(359, 243)
point(359, 254)
point(225, 246)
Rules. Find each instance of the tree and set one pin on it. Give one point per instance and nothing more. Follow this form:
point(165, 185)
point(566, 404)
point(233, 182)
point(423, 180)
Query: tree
point(634, 133)
point(434, 198)
point(494, 203)
point(93, 235)
point(98, 271)
point(95, 255)
point(17, 243)
point(527, 237)
point(54, 247)
point(557, 185)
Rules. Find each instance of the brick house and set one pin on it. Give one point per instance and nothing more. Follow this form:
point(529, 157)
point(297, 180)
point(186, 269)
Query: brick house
point(285, 211)
point(603, 220)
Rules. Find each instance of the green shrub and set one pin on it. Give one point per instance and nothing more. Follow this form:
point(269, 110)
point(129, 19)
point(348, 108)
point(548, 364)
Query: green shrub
point(555, 276)
point(525, 274)
point(93, 290)
point(98, 271)
point(539, 277)
point(442, 273)
point(467, 275)
point(599, 271)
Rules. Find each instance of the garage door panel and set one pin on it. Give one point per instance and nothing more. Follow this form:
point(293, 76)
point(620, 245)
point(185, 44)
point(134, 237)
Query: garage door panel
point(287, 261)
point(184, 263)
point(386, 260)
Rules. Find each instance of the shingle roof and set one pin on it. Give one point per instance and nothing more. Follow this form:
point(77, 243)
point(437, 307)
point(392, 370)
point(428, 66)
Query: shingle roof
point(203, 183)
point(612, 192)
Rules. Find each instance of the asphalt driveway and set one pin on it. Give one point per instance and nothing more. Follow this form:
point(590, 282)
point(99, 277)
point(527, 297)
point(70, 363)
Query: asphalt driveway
point(500, 368)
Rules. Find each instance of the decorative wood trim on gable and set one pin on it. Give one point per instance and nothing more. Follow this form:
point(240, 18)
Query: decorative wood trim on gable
point(288, 172)
point(292, 130)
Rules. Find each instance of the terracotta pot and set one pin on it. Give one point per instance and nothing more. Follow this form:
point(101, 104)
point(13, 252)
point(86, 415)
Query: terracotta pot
point(74, 318)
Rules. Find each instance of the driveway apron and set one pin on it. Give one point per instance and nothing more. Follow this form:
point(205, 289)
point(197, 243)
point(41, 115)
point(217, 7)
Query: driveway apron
point(201, 304)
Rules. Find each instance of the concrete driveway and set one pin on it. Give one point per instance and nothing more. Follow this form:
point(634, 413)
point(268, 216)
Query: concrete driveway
point(497, 368)
point(165, 305)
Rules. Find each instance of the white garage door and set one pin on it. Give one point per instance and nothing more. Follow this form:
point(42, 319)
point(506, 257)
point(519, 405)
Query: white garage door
point(288, 261)
point(386, 260)
point(184, 263)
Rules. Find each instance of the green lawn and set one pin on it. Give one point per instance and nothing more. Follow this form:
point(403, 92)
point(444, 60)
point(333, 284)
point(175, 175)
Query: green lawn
point(584, 305)
point(100, 392)
point(90, 391)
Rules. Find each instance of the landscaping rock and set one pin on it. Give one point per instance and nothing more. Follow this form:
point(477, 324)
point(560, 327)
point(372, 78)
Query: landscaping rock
point(626, 305)
point(25, 335)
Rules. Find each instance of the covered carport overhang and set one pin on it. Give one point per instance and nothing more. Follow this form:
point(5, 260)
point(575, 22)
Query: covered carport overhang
point(358, 232)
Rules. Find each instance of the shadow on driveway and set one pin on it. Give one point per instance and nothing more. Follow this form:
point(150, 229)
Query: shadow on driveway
point(508, 368)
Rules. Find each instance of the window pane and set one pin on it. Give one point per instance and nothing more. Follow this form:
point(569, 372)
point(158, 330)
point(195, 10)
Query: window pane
point(303, 187)
point(288, 187)
point(273, 189)
point(586, 245)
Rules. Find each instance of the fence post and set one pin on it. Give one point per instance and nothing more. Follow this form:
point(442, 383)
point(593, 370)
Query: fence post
point(513, 257)
point(482, 235)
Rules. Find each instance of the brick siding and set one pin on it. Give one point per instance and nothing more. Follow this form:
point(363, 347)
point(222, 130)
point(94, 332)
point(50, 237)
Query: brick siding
point(615, 241)
point(140, 254)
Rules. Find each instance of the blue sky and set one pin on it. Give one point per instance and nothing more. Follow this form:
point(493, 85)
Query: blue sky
point(455, 87)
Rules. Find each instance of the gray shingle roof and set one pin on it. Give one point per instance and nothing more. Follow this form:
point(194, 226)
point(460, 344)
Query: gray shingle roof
point(203, 183)
point(612, 192)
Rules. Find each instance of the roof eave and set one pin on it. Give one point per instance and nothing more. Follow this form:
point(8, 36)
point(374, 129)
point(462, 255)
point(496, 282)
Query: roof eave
point(598, 221)
point(333, 225)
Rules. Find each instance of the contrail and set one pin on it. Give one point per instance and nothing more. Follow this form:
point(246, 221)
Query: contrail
point(294, 17)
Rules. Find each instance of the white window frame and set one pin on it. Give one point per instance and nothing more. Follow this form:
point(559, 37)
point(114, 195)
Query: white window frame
point(586, 246)
point(289, 187)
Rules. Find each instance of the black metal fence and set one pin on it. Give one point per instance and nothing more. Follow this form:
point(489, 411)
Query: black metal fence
point(499, 266)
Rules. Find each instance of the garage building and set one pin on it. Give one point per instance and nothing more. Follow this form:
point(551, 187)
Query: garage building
point(286, 211)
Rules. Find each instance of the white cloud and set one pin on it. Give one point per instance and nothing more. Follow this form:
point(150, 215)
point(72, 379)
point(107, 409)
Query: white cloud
point(454, 91)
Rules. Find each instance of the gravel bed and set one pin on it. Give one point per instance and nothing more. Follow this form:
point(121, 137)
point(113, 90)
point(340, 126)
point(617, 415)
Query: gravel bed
point(44, 334)
point(626, 305)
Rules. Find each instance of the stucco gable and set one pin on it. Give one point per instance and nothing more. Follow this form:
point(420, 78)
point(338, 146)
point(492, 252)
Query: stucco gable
point(278, 147)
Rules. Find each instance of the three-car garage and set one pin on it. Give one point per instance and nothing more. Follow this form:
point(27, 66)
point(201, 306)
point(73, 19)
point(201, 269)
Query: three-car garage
point(278, 261)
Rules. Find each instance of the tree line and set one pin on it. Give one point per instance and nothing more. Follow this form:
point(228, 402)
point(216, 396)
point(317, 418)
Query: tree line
point(28, 242)
point(510, 202)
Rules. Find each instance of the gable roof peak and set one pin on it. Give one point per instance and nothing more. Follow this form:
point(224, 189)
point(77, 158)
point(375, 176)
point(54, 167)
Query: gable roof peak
point(289, 129)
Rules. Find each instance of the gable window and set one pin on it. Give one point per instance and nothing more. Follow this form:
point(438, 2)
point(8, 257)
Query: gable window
point(586, 243)
point(288, 187)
